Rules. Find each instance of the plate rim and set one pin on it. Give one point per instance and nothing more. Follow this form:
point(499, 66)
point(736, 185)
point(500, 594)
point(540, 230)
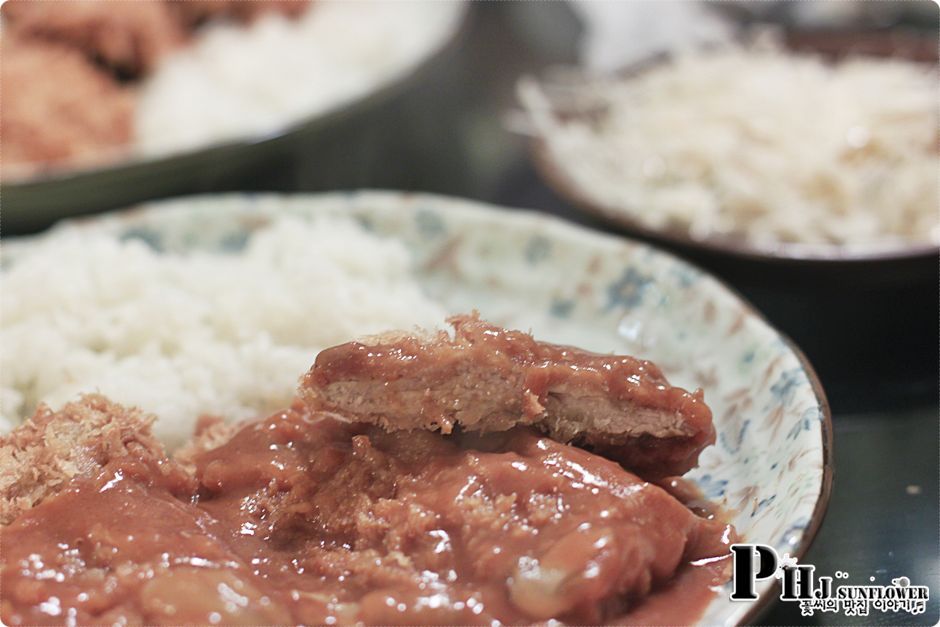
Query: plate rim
point(821, 508)
point(153, 208)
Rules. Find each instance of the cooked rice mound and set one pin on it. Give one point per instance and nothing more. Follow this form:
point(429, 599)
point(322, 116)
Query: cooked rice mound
point(184, 335)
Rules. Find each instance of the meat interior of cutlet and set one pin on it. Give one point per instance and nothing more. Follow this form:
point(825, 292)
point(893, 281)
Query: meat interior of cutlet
point(485, 378)
point(303, 518)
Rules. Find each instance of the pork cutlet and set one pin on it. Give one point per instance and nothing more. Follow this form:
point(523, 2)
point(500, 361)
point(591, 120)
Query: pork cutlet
point(485, 378)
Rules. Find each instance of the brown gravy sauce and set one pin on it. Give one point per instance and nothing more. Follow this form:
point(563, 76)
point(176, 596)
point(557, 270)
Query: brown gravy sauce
point(690, 495)
point(303, 519)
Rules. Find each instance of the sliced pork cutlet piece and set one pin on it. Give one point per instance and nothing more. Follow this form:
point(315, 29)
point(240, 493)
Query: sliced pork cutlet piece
point(486, 378)
point(41, 457)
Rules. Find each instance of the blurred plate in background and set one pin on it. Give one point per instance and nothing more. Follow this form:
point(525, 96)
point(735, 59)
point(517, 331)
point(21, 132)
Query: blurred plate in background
point(870, 265)
point(770, 468)
point(35, 201)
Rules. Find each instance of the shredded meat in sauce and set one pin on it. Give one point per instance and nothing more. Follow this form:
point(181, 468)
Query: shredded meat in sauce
point(306, 518)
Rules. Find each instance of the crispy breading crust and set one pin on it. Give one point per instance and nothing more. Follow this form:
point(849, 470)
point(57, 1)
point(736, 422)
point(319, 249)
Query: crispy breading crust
point(42, 455)
point(211, 433)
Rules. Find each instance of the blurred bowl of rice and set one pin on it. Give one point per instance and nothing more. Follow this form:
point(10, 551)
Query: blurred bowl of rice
point(802, 170)
point(805, 156)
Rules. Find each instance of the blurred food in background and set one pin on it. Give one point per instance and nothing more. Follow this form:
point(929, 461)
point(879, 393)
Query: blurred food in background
point(154, 78)
point(63, 106)
point(78, 67)
point(237, 82)
point(861, 299)
point(754, 143)
point(125, 38)
point(194, 13)
point(824, 14)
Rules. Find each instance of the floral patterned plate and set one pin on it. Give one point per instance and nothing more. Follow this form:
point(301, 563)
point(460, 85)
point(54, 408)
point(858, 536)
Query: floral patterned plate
point(771, 465)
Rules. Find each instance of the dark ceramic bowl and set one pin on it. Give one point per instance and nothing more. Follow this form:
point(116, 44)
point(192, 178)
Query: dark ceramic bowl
point(275, 160)
point(903, 264)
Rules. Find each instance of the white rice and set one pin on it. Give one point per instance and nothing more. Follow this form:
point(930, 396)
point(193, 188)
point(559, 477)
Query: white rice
point(184, 335)
point(756, 143)
point(240, 81)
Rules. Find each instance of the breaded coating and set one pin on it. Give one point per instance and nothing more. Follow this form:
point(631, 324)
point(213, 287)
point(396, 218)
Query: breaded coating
point(40, 457)
point(486, 378)
point(129, 36)
point(211, 433)
point(55, 105)
point(194, 13)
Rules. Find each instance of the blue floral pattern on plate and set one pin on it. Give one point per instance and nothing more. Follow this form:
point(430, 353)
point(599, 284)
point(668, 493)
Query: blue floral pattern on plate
point(574, 286)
